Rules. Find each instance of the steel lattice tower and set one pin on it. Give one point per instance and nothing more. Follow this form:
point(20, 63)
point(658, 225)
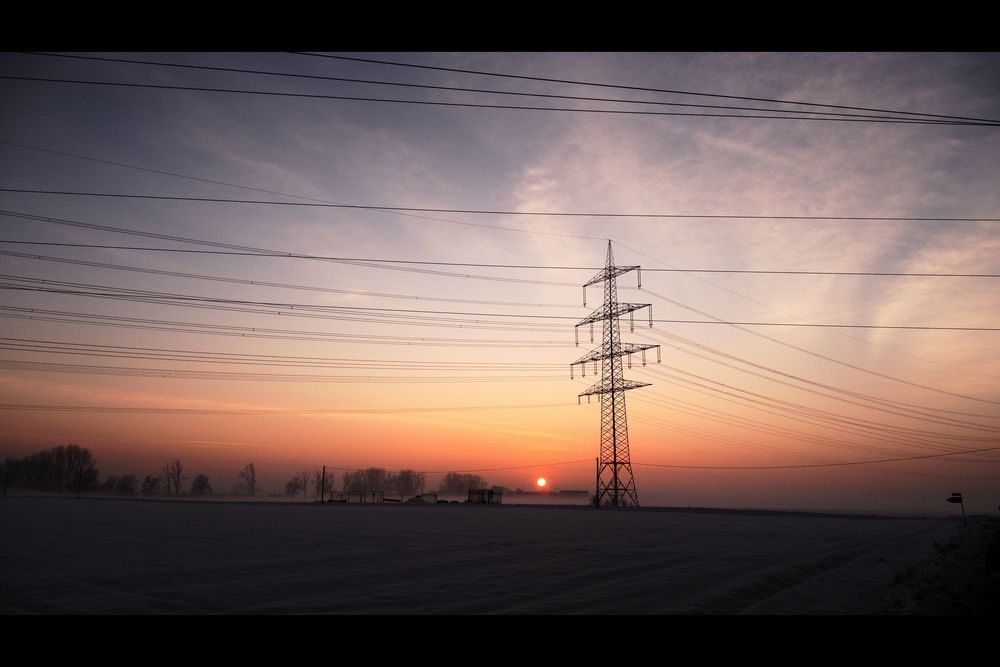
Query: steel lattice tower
point(615, 483)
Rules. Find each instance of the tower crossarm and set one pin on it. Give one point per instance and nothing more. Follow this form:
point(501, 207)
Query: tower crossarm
point(609, 272)
point(603, 313)
point(604, 387)
point(598, 354)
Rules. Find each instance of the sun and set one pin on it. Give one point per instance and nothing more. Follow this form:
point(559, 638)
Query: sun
point(541, 482)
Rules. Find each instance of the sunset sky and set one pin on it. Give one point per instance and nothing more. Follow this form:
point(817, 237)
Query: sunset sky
point(211, 351)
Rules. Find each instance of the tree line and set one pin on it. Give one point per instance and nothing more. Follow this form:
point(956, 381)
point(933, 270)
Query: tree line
point(72, 469)
point(379, 480)
point(63, 469)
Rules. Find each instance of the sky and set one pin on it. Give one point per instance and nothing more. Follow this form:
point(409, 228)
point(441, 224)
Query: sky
point(166, 329)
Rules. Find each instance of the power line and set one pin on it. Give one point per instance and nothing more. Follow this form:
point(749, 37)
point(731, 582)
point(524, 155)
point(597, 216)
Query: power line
point(294, 75)
point(241, 249)
point(831, 273)
point(264, 202)
point(624, 87)
point(294, 196)
point(514, 107)
point(870, 431)
point(186, 374)
point(544, 267)
point(789, 405)
point(822, 465)
point(897, 435)
point(826, 358)
point(204, 356)
point(120, 322)
point(742, 360)
point(830, 326)
point(752, 300)
point(37, 407)
point(264, 283)
point(704, 435)
point(278, 253)
point(746, 423)
point(829, 421)
point(799, 437)
point(184, 299)
point(904, 437)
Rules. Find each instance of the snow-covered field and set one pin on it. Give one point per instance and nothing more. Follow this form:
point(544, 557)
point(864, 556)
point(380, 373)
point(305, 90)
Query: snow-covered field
point(107, 556)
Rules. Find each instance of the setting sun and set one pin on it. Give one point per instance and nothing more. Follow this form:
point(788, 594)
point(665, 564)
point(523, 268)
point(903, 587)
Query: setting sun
point(541, 482)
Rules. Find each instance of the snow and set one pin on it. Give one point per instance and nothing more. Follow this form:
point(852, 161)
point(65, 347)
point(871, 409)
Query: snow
point(117, 556)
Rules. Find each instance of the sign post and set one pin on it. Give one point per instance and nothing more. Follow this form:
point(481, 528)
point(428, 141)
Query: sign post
point(957, 498)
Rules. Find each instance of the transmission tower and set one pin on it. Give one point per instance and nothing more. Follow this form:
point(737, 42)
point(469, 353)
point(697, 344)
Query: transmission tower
point(615, 484)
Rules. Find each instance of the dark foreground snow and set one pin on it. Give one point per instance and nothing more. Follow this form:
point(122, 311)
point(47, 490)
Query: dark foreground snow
point(104, 556)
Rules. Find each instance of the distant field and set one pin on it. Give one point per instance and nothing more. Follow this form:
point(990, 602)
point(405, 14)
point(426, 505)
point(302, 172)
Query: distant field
point(107, 556)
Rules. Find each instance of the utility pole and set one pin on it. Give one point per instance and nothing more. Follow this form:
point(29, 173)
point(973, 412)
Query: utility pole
point(615, 483)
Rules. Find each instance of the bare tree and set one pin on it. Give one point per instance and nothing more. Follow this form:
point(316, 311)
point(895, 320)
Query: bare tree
point(126, 485)
point(322, 482)
point(200, 486)
point(305, 482)
point(366, 481)
point(165, 476)
point(123, 485)
point(174, 471)
point(293, 485)
point(249, 475)
point(408, 482)
point(459, 483)
point(149, 485)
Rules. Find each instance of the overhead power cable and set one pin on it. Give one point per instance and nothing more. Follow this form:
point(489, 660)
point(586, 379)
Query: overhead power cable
point(839, 332)
point(540, 267)
point(265, 202)
point(512, 107)
point(265, 283)
point(792, 406)
point(825, 357)
point(853, 394)
point(463, 89)
point(829, 421)
point(637, 88)
point(183, 299)
point(822, 465)
point(174, 326)
point(186, 374)
point(37, 407)
point(235, 358)
point(463, 223)
point(796, 436)
point(241, 249)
